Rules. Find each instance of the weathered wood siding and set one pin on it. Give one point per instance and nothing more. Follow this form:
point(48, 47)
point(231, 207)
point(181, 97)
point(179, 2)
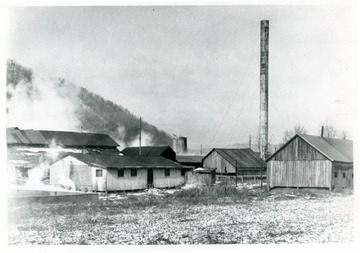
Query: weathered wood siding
point(304, 173)
point(192, 177)
point(115, 183)
point(298, 149)
point(162, 181)
point(345, 178)
point(216, 161)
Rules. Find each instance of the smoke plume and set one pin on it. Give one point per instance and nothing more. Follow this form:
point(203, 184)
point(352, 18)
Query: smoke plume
point(41, 105)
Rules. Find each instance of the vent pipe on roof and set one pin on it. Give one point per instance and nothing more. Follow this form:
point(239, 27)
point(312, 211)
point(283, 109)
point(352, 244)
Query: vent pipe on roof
point(264, 77)
point(322, 131)
point(249, 141)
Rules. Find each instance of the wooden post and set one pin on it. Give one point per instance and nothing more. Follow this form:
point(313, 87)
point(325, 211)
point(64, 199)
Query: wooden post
point(140, 138)
point(236, 173)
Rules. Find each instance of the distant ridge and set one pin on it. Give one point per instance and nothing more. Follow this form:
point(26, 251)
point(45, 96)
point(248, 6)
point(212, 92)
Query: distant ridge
point(93, 112)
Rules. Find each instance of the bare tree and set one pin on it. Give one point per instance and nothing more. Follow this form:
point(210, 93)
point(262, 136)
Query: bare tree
point(297, 129)
point(344, 135)
point(329, 129)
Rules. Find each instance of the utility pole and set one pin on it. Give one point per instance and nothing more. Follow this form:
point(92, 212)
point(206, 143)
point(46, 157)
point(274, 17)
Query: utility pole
point(264, 87)
point(140, 139)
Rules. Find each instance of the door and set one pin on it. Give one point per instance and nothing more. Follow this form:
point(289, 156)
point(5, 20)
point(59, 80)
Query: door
point(150, 178)
point(100, 180)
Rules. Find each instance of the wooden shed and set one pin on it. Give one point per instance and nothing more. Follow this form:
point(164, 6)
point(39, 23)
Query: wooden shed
point(311, 161)
point(99, 172)
point(243, 163)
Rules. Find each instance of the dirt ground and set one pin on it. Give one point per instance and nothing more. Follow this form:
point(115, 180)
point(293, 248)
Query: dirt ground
point(251, 216)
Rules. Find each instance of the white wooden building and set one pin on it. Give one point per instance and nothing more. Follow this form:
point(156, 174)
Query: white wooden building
point(99, 172)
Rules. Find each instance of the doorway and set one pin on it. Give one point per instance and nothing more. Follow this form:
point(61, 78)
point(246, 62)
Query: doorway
point(150, 178)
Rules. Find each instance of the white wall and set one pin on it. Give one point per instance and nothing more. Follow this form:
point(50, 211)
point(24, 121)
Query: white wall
point(162, 181)
point(115, 183)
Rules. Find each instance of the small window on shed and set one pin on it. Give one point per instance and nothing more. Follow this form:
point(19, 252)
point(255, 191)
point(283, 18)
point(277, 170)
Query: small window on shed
point(120, 172)
point(344, 175)
point(134, 172)
point(99, 173)
point(335, 174)
point(167, 172)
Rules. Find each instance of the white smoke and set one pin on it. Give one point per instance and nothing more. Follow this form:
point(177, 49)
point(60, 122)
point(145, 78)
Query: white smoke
point(36, 175)
point(146, 140)
point(39, 105)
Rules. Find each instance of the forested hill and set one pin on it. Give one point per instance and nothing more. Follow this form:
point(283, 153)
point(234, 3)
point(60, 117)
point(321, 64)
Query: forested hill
point(92, 113)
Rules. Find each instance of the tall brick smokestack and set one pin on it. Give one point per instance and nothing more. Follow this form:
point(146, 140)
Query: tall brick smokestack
point(264, 87)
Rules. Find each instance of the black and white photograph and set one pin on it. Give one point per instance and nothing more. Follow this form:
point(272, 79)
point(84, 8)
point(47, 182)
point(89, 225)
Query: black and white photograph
point(192, 124)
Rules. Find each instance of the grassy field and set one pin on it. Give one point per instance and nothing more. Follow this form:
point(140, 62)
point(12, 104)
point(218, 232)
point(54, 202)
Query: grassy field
point(207, 215)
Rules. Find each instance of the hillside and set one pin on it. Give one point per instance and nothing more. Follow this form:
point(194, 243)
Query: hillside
point(73, 107)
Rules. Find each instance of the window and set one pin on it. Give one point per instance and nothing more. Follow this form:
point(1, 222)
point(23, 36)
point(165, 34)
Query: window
point(120, 172)
point(167, 172)
point(134, 172)
point(335, 174)
point(225, 169)
point(99, 173)
point(344, 175)
point(182, 172)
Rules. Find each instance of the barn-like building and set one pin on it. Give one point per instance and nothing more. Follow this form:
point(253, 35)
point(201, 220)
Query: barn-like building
point(99, 172)
point(311, 161)
point(244, 163)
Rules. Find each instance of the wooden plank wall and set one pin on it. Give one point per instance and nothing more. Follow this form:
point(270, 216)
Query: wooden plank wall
point(115, 183)
point(162, 181)
point(298, 150)
point(299, 173)
point(216, 161)
point(341, 169)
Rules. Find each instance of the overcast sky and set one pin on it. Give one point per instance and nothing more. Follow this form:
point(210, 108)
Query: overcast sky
point(194, 70)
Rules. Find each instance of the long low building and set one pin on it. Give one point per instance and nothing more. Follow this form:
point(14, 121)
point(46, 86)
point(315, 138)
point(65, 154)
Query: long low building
point(99, 172)
point(29, 149)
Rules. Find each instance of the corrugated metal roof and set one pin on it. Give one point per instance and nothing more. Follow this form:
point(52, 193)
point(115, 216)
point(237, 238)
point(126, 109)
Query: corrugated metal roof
point(241, 158)
point(65, 139)
point(26, 137)
point(189, 158)
point(120, 161)
point(71, 139)
point(146, 150)
point(334, 149)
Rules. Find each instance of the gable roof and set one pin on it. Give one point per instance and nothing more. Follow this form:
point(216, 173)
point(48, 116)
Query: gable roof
point(121, 161)
point(334, 149)
point(189, 158)
point(146, 150)
point(245, 158)
point(26, 137)
point(71, 139)
point(15, 136)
